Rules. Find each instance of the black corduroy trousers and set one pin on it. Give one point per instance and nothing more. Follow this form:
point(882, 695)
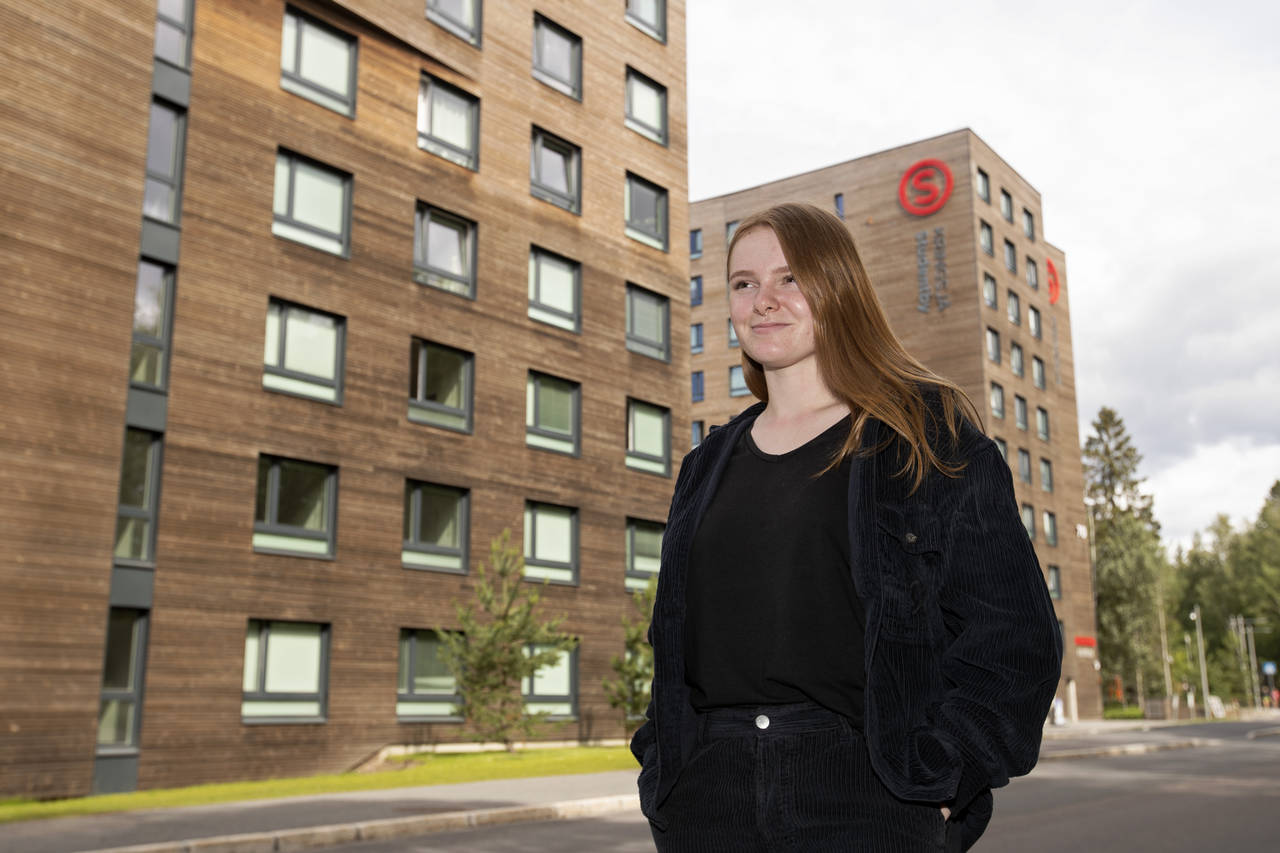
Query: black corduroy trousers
point(788, 778)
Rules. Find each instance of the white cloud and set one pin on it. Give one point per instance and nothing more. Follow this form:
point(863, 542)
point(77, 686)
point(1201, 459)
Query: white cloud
point(1231, 478)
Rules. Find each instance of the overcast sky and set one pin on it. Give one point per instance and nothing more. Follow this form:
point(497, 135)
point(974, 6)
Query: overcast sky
point(1151, 130)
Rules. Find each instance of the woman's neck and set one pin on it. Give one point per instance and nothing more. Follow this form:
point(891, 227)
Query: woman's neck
point(800, 407)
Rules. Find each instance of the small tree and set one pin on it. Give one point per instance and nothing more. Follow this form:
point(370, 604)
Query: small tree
point(634, 667)
point(491, 655)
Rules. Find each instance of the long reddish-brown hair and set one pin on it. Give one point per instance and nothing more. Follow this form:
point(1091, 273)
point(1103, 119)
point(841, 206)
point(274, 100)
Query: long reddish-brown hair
point(860, 359)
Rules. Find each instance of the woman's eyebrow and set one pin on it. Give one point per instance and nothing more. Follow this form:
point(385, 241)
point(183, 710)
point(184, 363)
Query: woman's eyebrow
point(776, 271)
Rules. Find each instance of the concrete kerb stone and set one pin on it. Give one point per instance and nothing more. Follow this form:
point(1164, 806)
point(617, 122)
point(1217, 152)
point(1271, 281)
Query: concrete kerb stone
point(1274, 731)
point(1128, 748)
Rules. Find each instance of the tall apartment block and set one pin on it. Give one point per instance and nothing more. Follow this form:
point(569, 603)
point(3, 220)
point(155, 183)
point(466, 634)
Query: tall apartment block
point(304, 303)
point(954, 241)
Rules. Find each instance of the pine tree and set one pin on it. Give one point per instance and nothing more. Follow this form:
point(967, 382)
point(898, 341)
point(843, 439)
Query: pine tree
point(634, 667)
point(493, 651)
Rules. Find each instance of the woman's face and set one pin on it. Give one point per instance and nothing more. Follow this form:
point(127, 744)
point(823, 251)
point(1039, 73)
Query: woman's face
point(768, 311)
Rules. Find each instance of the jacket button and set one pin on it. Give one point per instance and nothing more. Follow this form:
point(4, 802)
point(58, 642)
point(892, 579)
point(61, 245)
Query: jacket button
point(911, 538)
point(762, 722)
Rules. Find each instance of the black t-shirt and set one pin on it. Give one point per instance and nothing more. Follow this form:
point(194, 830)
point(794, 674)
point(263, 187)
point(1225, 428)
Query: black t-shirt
point(772, 615)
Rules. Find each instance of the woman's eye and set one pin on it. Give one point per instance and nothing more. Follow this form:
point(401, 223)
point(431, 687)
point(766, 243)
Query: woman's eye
point(789, 280)
point(738, 285)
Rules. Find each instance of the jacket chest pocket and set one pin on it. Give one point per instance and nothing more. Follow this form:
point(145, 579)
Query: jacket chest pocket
point(909, 547)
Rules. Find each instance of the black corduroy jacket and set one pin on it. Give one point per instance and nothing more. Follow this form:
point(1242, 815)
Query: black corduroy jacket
point(962, 646)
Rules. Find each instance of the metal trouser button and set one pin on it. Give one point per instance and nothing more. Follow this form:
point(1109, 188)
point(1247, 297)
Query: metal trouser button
point(762, 722)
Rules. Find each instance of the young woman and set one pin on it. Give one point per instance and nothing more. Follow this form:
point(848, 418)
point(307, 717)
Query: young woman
point(853, 642)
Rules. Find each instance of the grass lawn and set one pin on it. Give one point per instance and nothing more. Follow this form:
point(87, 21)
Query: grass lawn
point(1117, 712)
point(421, 769)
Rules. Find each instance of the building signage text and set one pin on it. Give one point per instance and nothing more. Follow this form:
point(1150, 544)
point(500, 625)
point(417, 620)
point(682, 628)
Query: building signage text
point(937, 291)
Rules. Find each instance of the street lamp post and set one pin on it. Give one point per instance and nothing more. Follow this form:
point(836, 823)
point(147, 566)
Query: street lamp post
point(1204, 671)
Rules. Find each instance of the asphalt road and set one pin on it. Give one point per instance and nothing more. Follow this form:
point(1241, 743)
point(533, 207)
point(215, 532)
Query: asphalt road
point(1224, 797)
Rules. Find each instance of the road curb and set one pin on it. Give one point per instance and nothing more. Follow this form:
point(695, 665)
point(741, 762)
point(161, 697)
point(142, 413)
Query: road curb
point(315, 837)
point(1129, 748)
point(1254, 734)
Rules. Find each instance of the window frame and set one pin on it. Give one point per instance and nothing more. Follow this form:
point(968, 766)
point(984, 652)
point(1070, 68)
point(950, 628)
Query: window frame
point(1013, 307)
point(1010, 256)
point(573, 86)
point(420, 555)
point(638, 460)
point(412, 696)
point(986, 238)
point(637, 343)
point(295, 83)
point(697, 432)
point(549, 440)
point(429, 412)
point(286, 381)
point(1053, 580)
point(1017, 361)
point(635, 580)
point(150, 511)
point(990, 292)
point(695, 290)
point(546, 313)
point(734, 343)
point(1037, 372)
point(424, 272)
point(993, 346)
point(549, 571)
point(570, 201)
point(528, 697)
point(274, 529)
point(183, 27)
point(1033, 273)
point(697, 382)
point(695, 338)
point(695, 243)
point(284, 225)
point(658, 134)
point(468, 158)
point(837, 202)
point(1006, 205)
point(1028, 224)
point(658, 239)
point(173, 181)
point(321, 697)
point(1024, 466)
point(1042, 423)
point(742, 390)
point(996, 394)
point(984, 186)
point(471, 33)
point(1050, 522)
point(656, 29)
point(1046, 475)
point(1020, 411)
point(133, 694)
point(142, 340)
point(1034, 322)
point(1002, 446)
point(1028, 513)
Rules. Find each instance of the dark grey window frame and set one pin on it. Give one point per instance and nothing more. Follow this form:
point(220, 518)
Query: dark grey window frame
point(184, 27)
point(993, 345)
point(1037, 372)
point(695, 290)
point(695, 338)
point(1042, 423)
point(1010, 256)
point(986, 238)
point(261, 695)
point(1046, 468)
point(837, 202)
point(1028, 513)
point(287, 218)
point(695, 243)
point(471, 33)
point(150, 513)
point(576, 429)
point(733, 335)
point(1020, 411)
point(271, 527)
point(571, 201)
point(530, 546)
point(1024, 465)
point(292, 81)
point(658, 134)
point(665, 459)
point(745, 391)
point(1033, 322)
point(413, 517)
point(1054, 581)
point(657, 29)
point(698, 386)
point(997, 391)
point(1002, 446)
point(1006, 205)
point(423, 271)
point(426, 407)
point(632, 573)
point(414, 696)
point(169, 275)
point(1033, 273)
point(339, 356)
point(1028, 224)
point(1017, 361)
point(134, 694)
point(984, 186)
point(1013, 308)
point(173, 181)
point(573, 86)
point(637, 343)
point(571, 699)
point(990, 292)
point(658, 238)
point(536, 304)
point(697, 432)
point(1050, 522)
point(468, 158)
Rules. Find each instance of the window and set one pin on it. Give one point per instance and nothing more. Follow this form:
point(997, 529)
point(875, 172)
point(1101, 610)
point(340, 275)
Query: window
point(646, 208)
point(302, 353)
point(648, 323)
point(139, 488)
point(425, 688)
point(646, 106)
point(318, 62)
point(1028, 224)
point(557, 57)
point(985, 238)
point(555, 171)
point(553, 689)
point(1015, 360)
point(730, 228)
point(696, 432)
point(695, 338)
point(650, 16)
point(436, 527)
point(1024, 466)
point(444, 251)
point(1046, 478)
point(296, 507)
point(1033, 275)
point(554, 288)
point(737, 382)
point(1010, 257)
point(550, 542)
point(839, 204)
point(1003, 447)
point(1029, 520)
point(993, 346)
point(984, 186)
point(440, 385)
point(449, 122)
point(285, 671)
point(460, 17)
point(695, 243)
point(1014, 308)
point(695, 290)
point(733, 334)
point(312, 204)
point(1042, 423)
point(551, 413)
point(1050, 528)
point(997, 401)
point(173, 31)
point(152, 302)
point(644, 552)
point(1033, 321)
point(120, 702)
point(648, 437)
point(1037, 371)
point(696, 379)
point(988, 290)
point(1055, 582)
point(1006, 205)
point(1020, 411)
point(166, 140)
